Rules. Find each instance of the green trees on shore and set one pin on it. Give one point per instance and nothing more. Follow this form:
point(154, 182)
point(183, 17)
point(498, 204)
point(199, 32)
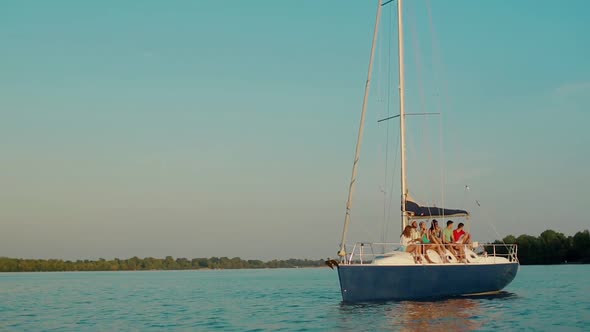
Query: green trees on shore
point(551, 247)
point(148, 263)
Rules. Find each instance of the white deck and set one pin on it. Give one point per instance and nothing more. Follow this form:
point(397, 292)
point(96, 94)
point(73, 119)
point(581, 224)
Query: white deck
point(364, 253)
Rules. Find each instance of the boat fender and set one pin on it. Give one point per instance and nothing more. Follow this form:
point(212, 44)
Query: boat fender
point(450, 257)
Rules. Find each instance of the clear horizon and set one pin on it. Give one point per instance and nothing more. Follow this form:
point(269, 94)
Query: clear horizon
point(200, 129)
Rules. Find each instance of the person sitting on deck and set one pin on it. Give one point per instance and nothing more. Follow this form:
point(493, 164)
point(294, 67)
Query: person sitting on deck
point(415, 231)
point(424, 239)
point(448, 233)
point(429, 242)
point(435, 232)
point(449, 240)
point(460, 236)
point(406, 241)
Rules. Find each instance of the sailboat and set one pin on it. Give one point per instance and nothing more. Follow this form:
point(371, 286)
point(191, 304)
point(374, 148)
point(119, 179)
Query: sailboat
point(381, 271)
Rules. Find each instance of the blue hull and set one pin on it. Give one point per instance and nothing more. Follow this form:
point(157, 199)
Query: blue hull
point(359, 283)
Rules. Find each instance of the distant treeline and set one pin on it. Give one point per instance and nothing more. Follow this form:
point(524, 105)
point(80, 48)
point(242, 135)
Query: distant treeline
point(148, 263)
point(552, 247)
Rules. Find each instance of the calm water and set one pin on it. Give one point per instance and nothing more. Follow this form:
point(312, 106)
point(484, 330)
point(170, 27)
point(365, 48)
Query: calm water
point(544, 298)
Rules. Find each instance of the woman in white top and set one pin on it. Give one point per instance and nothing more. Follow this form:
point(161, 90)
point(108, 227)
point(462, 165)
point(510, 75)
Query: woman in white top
point(407, 242)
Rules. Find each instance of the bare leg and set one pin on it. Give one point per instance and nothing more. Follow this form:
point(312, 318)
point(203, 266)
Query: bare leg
point(467, 238)
point(459, 248)
point(451, 248)
point(426, 248)
point(437, 245)
point(441, 252)
point(414, 250)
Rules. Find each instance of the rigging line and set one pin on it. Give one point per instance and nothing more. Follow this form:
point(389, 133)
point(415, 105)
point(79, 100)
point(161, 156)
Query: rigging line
point(388, 118)
point(431, 173)
point(378, 60)
point(465, 192)
point(417, 199)
point(436, 67)
point(435, 50)
point(411, 152)
point(425, 130)
point(490, 223)
point(386, 209)
point(396, 116)
point(443, 94)
point(392, 182)
point(442, 166)
point(430, 152)
point(399, 147)
point(342, 251)
point(411, 148)
point(388, 105)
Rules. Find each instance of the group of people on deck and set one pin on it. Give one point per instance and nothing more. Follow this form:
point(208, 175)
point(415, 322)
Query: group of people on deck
point(417, 240)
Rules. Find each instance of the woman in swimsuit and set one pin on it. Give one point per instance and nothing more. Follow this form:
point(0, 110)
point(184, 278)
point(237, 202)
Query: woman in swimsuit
point(429, 239)
point(435, 232)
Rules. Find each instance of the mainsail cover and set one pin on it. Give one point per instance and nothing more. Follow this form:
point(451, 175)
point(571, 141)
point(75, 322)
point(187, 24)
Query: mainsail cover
point(432, 211)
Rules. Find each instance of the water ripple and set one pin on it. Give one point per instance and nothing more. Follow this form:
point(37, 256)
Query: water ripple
point(541, 298)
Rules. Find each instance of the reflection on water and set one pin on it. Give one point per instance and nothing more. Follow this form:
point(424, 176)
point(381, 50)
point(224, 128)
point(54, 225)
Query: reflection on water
point(450, 315)
point(453, 314)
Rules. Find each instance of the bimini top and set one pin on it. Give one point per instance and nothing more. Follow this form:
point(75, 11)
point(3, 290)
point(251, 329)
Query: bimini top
point(417, 211)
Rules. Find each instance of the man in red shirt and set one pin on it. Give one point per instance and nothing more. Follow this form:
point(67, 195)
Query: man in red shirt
point(460, 236)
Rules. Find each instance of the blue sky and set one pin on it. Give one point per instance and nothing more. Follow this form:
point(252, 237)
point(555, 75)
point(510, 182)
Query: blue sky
point(212, 128)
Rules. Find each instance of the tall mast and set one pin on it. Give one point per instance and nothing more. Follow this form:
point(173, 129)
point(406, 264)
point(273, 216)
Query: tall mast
point(402, 116)
point(342, 251)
